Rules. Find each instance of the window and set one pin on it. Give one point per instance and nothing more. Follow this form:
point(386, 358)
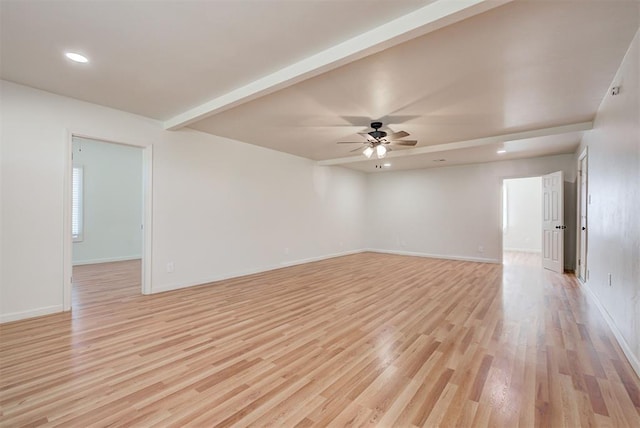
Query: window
point(76, 203)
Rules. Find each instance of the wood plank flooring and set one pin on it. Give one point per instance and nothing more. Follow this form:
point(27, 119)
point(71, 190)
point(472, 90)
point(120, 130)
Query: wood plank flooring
point(362, 340)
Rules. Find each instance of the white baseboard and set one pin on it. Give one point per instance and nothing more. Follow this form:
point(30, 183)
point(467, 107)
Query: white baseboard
point(17, 316)
point(523, 250)
point(106, 260)
point(170, 287)
point(436, 256)
point(633, 359)
point(317, 259)
point(176, 286)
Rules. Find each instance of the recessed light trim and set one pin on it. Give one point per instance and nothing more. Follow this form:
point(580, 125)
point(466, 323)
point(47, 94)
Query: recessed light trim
point(76, 57)
point(386, 165)
point(501, 151)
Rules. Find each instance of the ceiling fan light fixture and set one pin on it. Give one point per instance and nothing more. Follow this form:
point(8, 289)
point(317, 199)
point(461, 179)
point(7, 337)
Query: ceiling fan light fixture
point(378, 143)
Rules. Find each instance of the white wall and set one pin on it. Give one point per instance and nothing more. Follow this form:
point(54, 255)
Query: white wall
point(220, 207)
point(453, 212)
point(263, 210)
point(112, 201)
point(614, 213)
point(523, 215)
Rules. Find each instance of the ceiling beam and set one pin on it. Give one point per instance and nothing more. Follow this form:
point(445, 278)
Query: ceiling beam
point(431, 17)
point(478, 142)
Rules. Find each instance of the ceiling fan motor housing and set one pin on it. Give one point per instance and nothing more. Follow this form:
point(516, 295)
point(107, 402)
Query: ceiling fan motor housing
point(376, 133)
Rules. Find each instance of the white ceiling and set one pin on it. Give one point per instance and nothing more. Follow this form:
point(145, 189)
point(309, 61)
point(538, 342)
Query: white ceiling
point(523, 68)
point(158, 58)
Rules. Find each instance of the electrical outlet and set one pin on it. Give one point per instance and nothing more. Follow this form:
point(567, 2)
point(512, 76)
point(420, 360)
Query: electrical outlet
point(480, 248)
point(286, 251)
point(170, 267)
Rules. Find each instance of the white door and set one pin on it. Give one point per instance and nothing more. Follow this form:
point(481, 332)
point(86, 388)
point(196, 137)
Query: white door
point(553, 222)
point(582, 253)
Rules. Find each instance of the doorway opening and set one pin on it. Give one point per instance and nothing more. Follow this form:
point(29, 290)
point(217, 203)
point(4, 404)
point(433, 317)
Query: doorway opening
point(108, 202)
point(522, 220)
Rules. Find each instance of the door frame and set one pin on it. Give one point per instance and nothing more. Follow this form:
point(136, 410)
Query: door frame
point(584, 155)
point(147, 226)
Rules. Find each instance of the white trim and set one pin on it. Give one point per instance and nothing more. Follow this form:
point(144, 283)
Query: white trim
point(176, 286)
point(17, 316)
point(106, 260)
point(583, 154)
point(147, 219)
point(67, 238)
point(626, 349)
point(478, 142)
point(317, 259)
point(436, 256)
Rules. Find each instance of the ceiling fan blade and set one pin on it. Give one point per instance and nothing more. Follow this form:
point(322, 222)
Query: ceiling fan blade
point(351, 142)
point(367, 136)
point(405, 143)
point(397, 135)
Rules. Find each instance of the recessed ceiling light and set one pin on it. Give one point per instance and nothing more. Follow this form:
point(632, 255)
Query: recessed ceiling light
point(501, 151)
point(76, 57)
point(387, 165)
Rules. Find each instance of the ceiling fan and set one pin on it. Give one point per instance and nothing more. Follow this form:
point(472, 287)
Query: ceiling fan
point(377, 141)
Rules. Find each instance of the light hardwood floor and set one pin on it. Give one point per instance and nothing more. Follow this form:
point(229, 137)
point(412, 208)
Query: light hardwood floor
point(366, 339)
